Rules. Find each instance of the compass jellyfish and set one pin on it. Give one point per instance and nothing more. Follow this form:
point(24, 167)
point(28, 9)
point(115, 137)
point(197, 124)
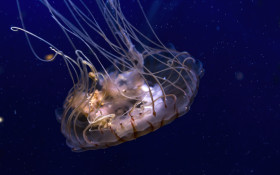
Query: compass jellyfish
point(145, 87)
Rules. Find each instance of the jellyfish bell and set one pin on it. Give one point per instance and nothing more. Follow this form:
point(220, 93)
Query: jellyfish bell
point(146, 87)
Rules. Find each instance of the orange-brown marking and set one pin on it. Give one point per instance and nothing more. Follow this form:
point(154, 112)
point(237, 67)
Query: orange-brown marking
point(116, 135)
point(162, 122)
point(154, 113)
point(134, 129)
point(131, 116)
point(122, 126)
point(176, 111)
point(176, 115)
point(151, 125)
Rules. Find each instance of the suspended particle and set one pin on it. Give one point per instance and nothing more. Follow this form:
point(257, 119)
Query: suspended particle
point(239, 75)
point(49, 57)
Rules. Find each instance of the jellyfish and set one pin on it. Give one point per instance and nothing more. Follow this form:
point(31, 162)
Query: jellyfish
point(146, 86)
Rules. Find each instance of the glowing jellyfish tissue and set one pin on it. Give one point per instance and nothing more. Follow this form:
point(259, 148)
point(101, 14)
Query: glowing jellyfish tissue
point(146, 87)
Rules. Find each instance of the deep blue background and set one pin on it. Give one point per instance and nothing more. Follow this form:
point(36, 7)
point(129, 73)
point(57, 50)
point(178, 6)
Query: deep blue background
point(233, 126)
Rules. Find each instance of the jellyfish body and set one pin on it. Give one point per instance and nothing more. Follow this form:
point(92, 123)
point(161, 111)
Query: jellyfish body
point(147, 86)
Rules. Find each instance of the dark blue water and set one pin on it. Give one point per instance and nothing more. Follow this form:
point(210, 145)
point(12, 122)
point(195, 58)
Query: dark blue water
point(232, 127)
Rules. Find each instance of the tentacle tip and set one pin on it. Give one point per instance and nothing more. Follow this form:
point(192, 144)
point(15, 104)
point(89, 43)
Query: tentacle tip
point(15, 29)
